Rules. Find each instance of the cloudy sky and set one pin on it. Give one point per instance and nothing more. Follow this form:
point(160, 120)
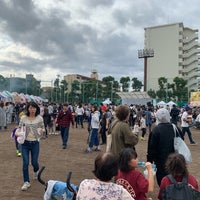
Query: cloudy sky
point(51, 37)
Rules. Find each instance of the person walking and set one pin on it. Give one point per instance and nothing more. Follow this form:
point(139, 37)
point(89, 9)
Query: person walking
point(186, 120)
point(34, 128)
point(2, 116)
point(174, 113)
point(63, 120)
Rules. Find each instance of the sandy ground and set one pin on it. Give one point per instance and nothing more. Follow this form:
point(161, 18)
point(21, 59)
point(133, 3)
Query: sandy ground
point(59, 162)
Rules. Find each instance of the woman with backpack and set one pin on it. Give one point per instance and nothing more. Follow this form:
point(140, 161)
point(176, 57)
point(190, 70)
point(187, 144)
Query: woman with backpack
point(179, 184)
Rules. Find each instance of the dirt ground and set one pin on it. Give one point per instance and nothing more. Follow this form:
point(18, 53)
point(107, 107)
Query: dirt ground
point(59, 162)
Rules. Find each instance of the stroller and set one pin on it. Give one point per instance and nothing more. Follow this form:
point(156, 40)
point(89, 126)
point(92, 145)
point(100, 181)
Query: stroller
point(57, 190)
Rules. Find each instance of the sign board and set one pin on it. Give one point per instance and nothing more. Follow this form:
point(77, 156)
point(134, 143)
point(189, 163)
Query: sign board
point(195, 99)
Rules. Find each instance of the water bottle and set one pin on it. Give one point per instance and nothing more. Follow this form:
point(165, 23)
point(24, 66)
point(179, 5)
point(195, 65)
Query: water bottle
point(141, 164)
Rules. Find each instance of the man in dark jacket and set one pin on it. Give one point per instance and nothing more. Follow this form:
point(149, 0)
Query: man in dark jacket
point(174, 114)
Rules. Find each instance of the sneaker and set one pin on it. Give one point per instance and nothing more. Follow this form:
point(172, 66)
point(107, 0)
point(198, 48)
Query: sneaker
point(64, 146)
point(19, 154)
point(35, 176)
point(87, 151)
point(193, 143)
point(25, 186)
point(97, 149)
point(142, 138)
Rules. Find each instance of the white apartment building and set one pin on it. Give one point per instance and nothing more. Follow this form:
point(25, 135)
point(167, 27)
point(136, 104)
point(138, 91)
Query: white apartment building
point(176, 53)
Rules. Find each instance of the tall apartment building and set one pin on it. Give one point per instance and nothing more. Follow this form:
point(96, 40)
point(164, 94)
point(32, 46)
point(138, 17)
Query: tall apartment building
point(176, 53)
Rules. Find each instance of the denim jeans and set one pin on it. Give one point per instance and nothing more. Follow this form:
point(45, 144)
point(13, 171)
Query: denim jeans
point(187, 129)
point(28, 147)
point(64, 131)
point(94, 140)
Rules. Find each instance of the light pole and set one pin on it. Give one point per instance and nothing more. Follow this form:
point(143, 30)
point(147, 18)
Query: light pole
point(145, 53)
point(166, 84)
point(111, 96)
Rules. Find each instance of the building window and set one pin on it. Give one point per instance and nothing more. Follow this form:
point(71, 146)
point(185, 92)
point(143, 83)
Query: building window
point(180, 48)
point(180, 56)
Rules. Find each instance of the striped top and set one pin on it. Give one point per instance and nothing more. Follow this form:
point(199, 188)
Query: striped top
point(31, 127)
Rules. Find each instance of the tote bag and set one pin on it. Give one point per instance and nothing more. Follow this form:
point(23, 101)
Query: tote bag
point(181, 147)
point(22, 135)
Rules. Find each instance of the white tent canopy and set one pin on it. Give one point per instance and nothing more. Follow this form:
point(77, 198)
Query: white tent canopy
point(161, 103)
point(140, 98)
point(107, 101)
point(171, 103)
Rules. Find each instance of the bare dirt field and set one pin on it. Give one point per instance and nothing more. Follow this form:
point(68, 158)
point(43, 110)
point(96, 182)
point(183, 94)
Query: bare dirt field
point(59, 162)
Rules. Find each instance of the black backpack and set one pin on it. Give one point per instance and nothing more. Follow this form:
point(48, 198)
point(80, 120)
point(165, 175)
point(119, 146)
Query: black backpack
point(179, 191)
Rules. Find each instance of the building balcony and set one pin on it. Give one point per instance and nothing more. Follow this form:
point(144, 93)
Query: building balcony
point(188, 46)
point(190, 53)
point(192, 37)
point(191, 60)
point(190, 68)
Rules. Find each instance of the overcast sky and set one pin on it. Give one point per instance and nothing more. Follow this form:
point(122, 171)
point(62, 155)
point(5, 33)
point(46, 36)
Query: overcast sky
point(51, 37)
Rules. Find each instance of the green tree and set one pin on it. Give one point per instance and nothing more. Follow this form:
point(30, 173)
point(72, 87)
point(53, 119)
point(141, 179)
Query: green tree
point(63, 87)
point(109, 85)
point(2, 83)
point(161, 93)
point(75, 94)
point(136, 85)
point(152, 93)
point(125, 81)
point(89, 91)
point(180, 89)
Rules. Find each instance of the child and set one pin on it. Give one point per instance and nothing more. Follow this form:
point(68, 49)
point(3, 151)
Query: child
point(143, 125)
point(176, 166)
point(136, 128)
point(132, 180)
point(17, 145)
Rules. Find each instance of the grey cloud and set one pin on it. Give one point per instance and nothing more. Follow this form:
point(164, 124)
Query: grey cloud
point(96, 3)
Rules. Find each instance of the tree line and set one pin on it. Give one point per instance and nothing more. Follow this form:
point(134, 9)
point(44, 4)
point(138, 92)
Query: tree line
point(96, 90)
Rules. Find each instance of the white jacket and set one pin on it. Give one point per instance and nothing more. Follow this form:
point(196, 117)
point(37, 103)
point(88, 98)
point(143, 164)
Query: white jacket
point(95, 119)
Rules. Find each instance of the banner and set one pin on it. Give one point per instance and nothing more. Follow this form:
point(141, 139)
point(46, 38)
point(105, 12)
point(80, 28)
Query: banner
point(195, 99)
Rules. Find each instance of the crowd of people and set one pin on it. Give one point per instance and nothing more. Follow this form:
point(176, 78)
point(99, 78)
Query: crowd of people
point(116, 170)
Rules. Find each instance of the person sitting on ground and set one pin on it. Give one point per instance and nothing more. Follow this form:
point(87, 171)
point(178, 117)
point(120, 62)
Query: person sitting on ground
point(132, 180)
point(102, 187)
point(176, 166)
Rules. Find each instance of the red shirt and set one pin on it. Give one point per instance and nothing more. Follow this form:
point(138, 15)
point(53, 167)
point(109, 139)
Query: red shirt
point(166, 182)
point(134, 182)
point(64, 118)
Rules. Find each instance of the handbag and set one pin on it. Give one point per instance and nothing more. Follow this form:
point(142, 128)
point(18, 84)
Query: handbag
point(181, 147)
point(108, 142)
point(22, 135)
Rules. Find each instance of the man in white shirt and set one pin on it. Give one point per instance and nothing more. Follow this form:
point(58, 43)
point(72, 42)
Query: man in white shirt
point(186, 120)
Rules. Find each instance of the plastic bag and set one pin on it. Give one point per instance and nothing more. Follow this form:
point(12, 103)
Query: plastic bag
point(108, 142)
point(181, 147)
point(21, 135)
